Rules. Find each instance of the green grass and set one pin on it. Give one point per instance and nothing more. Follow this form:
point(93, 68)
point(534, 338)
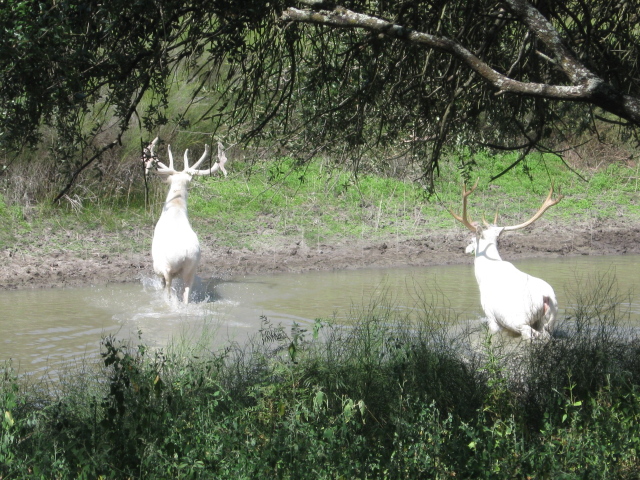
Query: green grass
point(587, 194)
point(310, 202)
point(319, 202)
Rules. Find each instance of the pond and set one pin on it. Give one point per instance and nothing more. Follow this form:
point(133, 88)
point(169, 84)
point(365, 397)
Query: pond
point(46, 330)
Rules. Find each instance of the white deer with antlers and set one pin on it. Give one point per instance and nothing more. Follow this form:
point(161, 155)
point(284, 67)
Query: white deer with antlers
point(175, 248)
point(511, 299)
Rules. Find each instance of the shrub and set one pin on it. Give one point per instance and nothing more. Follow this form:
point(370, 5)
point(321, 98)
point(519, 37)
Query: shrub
point(389, 395)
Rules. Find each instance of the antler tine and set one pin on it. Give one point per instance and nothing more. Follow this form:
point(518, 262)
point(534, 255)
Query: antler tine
point(219, 165)
point(186, 160)
point(149, 155)
point(548, 203)
point(152, 146)
point(495, 220)
point(464, 219)
point(202, 158)
point(162, 168)
point(170, 157)
point(222, 158)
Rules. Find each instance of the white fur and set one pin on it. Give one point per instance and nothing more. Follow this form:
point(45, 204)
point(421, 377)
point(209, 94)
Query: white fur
point(511, 299)
point(175, 248)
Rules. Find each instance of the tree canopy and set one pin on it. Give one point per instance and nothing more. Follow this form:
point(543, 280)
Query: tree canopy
point(410, 78)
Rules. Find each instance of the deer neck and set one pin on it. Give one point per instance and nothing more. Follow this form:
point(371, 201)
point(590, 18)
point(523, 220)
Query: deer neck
point(487, 245)
point(487, 252)
point(176, 202)
point(486, 261)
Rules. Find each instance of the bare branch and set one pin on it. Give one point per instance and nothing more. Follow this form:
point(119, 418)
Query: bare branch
point(343, 18)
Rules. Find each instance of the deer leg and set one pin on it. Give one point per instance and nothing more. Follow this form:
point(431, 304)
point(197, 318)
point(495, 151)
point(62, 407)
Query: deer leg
point(166, 284)
point(188, 278)
point(551, 309)
point(529, 333)
point(545, 301)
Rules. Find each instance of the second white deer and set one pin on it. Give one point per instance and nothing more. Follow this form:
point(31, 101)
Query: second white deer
point(511, 299)
point(175, 248)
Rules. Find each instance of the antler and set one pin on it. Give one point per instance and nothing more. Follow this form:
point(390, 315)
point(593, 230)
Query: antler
point(151, 159)
point(219, 165)
point(549, 202)
point(149, 156)
point(495, 220)
point(162, 168)
point(464, 218)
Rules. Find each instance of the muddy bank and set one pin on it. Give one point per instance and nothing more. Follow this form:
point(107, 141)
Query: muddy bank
point(32, 268)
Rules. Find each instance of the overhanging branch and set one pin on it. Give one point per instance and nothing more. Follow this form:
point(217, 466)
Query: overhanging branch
point(342, 18)
point(587, 87)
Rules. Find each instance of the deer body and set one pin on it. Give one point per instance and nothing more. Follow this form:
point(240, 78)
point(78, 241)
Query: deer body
point(175, 248)
point(511, 299)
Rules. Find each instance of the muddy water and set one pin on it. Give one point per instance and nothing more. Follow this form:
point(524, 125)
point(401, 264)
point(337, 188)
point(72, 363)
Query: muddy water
point(42, 331)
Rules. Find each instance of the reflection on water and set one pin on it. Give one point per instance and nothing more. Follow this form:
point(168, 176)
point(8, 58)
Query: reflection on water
point(48, 329)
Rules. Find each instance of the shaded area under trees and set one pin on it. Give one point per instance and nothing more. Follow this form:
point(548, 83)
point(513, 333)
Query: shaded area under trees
point(409, 79)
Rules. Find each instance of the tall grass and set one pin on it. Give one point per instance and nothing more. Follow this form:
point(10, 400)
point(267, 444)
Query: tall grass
point(388, 397)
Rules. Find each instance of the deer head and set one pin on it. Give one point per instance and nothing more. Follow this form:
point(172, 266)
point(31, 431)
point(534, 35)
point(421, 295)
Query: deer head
point(486, 238)
point(151, 162)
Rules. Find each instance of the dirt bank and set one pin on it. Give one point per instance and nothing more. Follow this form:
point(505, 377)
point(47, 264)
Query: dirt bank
point(32, 268)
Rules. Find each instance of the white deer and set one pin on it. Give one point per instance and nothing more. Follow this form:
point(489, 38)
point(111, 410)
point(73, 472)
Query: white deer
point(175, 248)
point(511, 299)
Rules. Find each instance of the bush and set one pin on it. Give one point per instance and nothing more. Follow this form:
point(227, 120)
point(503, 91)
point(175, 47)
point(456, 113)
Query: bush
point(390, 395)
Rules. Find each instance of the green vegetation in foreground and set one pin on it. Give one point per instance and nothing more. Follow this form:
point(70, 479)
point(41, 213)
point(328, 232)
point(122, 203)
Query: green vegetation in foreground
point(318, 202)
point(392, 397)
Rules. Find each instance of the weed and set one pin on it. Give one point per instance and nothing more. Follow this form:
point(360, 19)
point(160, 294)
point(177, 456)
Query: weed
point(388, 396)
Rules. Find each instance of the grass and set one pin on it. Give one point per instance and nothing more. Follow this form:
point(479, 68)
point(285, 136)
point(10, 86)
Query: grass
point(391, 397)
point(311, 201)
point(316, 201)
point(319, 202)
point(602, 193)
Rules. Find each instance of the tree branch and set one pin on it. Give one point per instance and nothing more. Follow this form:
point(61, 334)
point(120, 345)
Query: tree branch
point(78, 171)
point(587, 86)
point(545, 31)
point(123, 127)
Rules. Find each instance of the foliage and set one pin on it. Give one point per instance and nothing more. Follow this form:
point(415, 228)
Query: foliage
point(80, 75)
point(74, 67)
point(393, 396)
point(317, 202)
